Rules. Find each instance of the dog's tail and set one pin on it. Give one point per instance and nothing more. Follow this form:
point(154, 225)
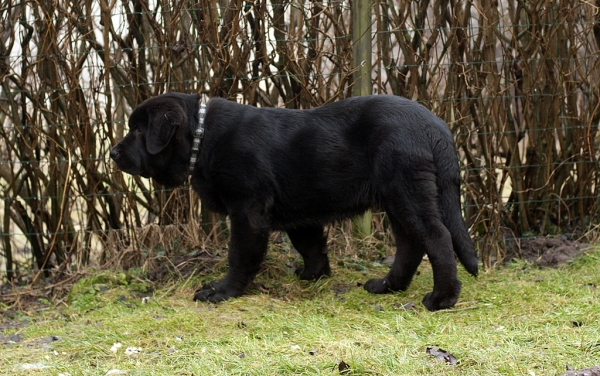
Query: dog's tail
point(448, 182)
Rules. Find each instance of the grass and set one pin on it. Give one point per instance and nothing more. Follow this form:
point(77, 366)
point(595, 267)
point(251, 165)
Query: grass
point(514, 320)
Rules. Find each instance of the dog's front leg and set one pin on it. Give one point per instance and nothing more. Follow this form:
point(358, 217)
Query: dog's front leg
point(247, 248)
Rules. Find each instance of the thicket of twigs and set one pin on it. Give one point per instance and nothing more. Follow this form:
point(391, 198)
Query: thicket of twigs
point(517, 81)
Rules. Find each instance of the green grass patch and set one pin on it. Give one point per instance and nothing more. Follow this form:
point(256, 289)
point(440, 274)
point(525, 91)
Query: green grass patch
point(518, 320)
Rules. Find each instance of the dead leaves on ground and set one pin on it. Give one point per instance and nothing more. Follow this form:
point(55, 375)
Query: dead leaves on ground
point(441, 355)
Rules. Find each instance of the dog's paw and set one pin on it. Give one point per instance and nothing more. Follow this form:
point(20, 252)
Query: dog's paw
point(435, 302)
point(377, 286)
point(307, 274)
point(215, 292)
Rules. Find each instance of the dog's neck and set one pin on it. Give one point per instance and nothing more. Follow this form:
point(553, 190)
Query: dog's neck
point(198, 134)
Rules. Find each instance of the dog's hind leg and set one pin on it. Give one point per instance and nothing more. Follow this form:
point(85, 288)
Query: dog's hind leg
point(438, 245)
point(411, 198)
point(408, 257)
point(311, 243)
point(247, 249)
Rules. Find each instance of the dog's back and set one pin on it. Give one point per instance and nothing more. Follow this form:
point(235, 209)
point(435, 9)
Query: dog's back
point(323, 164)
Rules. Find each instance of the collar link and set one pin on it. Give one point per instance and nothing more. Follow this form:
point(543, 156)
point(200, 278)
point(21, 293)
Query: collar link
point(198, 134)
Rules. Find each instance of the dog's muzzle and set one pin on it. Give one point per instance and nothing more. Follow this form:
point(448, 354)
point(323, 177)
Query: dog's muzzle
point(114, 153)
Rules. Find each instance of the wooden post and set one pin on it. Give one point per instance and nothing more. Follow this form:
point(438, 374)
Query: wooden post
point(362, 85)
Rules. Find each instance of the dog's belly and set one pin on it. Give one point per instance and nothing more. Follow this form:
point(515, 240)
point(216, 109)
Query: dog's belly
point(289, 220)
point(308, 205)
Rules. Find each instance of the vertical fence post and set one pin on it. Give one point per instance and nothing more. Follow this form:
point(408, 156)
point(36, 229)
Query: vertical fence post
point(362, 85)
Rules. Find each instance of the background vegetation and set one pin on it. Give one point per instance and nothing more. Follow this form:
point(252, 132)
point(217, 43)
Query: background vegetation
point(517, 82)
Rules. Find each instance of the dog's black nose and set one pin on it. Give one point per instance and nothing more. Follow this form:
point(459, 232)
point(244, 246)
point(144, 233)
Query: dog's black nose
point(114, 153)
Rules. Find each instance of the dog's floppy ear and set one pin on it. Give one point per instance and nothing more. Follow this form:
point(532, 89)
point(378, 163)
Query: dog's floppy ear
point(162, 125)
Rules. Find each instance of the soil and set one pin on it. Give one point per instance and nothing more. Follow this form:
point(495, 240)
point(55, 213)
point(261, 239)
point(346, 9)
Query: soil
point(550, 252)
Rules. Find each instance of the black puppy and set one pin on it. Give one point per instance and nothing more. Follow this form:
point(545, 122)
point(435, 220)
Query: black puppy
point(298, 170)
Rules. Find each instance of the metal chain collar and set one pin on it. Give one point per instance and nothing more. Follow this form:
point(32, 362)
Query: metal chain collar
point(198, 134)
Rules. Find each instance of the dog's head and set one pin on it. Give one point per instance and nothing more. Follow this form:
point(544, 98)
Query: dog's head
point(159, 141)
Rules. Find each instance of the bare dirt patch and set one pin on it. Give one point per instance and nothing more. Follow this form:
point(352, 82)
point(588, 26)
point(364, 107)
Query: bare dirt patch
point(550, 252)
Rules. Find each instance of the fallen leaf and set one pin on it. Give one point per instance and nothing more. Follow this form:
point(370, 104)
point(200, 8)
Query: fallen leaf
point(343, 367)
point(13, 338)
point(594, 371)
point(132, 350)
point(48, 339)
point(340, 289)
point(441, 355)
point(410, 306)
point(43, 342)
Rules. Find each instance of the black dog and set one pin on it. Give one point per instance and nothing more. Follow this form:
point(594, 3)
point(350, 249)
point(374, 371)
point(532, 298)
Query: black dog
point(297, 170)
